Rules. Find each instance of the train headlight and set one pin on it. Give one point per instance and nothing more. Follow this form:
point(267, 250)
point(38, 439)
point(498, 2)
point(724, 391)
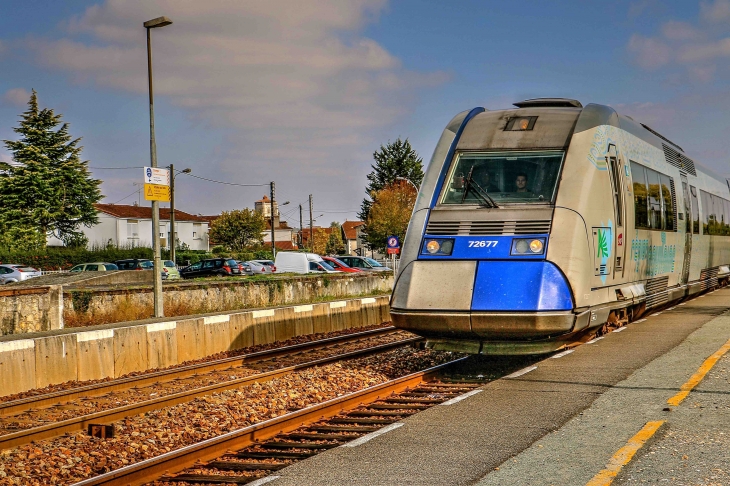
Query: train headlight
point(528, 246)
point(437, 246)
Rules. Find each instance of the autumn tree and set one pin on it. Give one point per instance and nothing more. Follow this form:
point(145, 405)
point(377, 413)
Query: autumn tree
point(335, 246)
point(238, 229)
point(319, 242)
point(389, 214)
point(47, 190)
point(394, 160)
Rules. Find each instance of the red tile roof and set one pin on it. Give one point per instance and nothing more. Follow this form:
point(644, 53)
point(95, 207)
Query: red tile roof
point(124, 211)
point(284, 245)
point(350, 229)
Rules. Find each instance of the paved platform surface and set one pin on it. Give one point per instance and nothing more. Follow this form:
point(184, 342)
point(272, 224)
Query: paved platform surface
point(561, 423)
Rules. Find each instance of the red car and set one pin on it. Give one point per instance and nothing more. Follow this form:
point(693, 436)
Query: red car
point(340, 266)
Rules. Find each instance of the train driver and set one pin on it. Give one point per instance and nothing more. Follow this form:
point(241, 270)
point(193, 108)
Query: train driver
point(521, 183)
point(482, 178)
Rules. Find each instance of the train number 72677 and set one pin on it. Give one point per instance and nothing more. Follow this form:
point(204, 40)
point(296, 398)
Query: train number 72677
point(482, 244)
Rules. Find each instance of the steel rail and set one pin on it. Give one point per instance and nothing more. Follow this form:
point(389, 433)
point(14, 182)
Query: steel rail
point(180, 459)
point(98, 389)
point(75, 424)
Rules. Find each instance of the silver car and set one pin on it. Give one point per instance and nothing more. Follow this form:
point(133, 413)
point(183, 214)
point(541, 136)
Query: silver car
point(363, 263)
point(258, 268)
point(10, 272)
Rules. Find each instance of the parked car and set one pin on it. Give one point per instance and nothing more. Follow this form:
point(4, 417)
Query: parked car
point(295, 262)
point(219, 267)
point(169, 267)
point(134, 264)
point(268, 263)
point(257, 268)
point(94, 267)
point(340, 266)
point(139, 264)
point(10, 272)
point(363, 263)
point(245, 268)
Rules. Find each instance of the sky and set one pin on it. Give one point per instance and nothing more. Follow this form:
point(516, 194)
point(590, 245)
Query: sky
point(303, 93)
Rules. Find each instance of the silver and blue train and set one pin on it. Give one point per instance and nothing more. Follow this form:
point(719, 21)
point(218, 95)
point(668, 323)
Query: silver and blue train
point(537, 224)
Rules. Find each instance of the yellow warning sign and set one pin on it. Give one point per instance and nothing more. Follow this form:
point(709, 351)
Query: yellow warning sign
point(156, 192)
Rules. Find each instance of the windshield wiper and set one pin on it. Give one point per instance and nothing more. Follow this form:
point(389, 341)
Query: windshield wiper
point(480, 193)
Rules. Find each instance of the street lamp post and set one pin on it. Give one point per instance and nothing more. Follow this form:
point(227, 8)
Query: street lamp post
point(173, 233)
point(159, 309)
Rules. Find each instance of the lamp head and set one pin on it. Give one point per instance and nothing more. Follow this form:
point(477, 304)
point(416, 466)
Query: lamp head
point(158, 22)
point(186, 171)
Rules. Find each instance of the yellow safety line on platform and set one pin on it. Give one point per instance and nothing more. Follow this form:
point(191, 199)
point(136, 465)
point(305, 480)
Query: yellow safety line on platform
point(624, 455)
point(697, 377)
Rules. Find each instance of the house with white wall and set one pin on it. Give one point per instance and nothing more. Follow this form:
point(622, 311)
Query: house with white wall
point(125, 225)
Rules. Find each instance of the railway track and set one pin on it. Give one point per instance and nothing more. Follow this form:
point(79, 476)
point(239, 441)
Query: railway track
point(261, 448)
point(73, 399)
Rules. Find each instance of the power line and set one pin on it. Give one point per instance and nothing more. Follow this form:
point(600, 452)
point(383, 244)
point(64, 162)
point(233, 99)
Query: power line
point(115, 168)
point(228, 183)
point(125, 197)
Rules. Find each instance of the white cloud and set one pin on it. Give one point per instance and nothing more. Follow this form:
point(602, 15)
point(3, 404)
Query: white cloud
point(17, 96)
point(698, 50)
point(649, 53)
point(715, 12)
point(293, 84)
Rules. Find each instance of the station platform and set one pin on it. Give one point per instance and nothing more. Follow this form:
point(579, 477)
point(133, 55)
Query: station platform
point(650, 403)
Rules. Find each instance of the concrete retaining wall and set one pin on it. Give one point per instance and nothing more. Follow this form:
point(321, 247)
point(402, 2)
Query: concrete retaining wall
point(115, 350)
point(31, 309)
point(41, 308)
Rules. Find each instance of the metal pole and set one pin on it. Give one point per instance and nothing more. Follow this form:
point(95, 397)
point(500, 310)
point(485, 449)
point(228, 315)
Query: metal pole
point(273, 232)
point(157, 277)
point(173, 238)
point(301, 228)
point(311, 230)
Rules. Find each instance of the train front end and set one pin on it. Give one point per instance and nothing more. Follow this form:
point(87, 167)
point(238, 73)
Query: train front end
point(475, 275)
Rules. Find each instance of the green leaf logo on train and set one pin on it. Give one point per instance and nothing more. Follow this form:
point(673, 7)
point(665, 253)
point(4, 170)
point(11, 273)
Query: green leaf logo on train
point(603, 251)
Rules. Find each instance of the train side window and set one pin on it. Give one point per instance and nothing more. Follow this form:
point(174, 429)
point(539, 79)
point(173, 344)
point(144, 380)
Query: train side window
point(668, 200)
point(707, 214)
point(655, 199)
point(695, 211)
point(641, 204)
point(726, 223)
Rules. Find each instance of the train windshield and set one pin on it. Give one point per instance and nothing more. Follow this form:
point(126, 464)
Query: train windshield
point(492, 179)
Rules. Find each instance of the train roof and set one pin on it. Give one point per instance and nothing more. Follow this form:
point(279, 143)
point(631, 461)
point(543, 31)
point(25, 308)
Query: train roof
point(593, 115)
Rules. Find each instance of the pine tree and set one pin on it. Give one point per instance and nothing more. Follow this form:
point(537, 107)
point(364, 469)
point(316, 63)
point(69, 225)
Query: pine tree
point(48, 190)
point(394, 160)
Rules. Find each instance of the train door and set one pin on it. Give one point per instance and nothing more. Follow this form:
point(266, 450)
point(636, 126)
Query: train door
point(616, 174)
point(688, 229)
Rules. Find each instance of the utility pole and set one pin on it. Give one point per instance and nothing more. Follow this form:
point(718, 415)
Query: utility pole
point(157, 277)
point(301, 228)
point(273, 231)
point(311, 226)
point(172, 214)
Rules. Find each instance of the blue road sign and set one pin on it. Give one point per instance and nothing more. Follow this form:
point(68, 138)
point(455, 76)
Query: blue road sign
point(393, 242)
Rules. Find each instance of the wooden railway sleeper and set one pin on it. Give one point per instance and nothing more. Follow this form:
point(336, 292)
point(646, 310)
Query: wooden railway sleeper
point(246, 466)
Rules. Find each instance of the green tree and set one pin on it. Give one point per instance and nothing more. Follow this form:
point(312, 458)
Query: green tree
point(335, 246)
point(390, 214)
point(394, 160)
point(238, 229)
point(48, 189)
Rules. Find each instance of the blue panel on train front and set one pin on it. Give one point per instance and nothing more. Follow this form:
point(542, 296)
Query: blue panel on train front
point(520, 286)
point(483, 248)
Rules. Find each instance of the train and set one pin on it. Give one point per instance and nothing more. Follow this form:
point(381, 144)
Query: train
point(542, 223)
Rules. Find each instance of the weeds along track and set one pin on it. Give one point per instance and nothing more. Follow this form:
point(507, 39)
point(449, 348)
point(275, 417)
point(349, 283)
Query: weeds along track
point(50, 415)
point(252, 452)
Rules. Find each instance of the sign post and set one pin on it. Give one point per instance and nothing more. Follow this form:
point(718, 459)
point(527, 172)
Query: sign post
point(156, 184)
point(393, 248)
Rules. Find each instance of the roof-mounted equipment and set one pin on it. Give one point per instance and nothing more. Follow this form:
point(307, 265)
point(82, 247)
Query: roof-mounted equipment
point(549, 103)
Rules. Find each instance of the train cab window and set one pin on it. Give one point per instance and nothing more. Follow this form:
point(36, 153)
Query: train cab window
point(695, 211)
point(493, 179)
point(641, 203)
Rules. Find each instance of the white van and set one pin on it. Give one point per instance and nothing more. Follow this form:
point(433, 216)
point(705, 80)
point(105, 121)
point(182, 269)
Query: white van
point(295, 262)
